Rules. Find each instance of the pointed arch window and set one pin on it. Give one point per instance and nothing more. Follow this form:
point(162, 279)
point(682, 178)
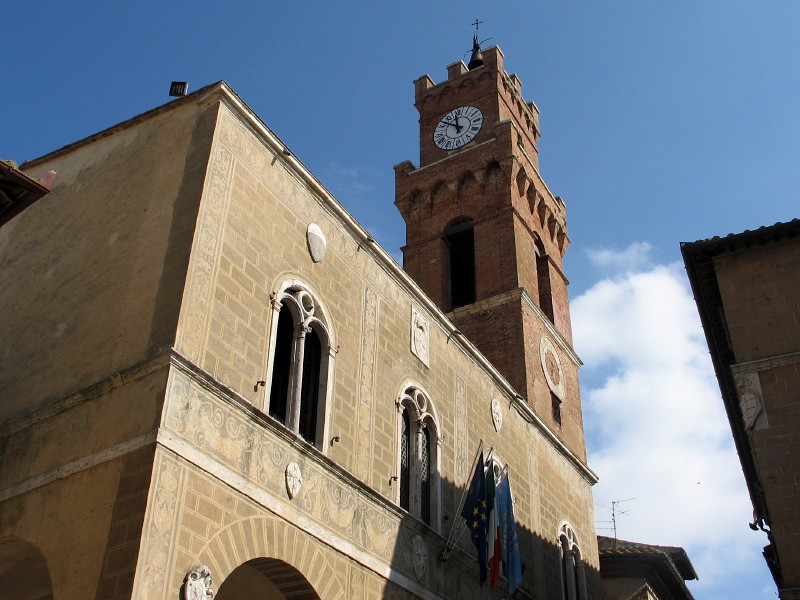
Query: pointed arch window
point(543, 280)
point(573, 576)
point(301, 363)
point(460, 242)
point(418, 457)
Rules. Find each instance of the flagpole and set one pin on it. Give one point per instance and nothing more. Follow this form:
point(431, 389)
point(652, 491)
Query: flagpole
point(457, 522)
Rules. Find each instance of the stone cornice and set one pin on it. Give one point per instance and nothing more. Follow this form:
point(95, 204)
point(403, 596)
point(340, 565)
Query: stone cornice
point(158, 360)
point(766, 364)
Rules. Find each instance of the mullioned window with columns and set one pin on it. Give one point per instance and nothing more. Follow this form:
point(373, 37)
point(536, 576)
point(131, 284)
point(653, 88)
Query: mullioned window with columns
point(418, 456)
point(301, 363)
point(573, 575)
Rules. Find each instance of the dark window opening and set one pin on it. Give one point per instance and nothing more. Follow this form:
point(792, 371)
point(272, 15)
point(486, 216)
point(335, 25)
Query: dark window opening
point(543, 277)
point(405, 470)
point(461, 243)
point(425, 475)
point(556, 401)
point(281, 366)
point(309, 389)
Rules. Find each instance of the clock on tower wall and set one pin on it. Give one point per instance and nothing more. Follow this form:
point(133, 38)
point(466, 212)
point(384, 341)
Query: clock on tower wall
point(458, 127)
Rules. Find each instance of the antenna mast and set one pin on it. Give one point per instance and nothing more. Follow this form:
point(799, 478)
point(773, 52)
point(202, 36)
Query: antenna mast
point(614, 514)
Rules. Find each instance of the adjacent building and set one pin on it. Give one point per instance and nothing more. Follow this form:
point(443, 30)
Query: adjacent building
point(747, 289)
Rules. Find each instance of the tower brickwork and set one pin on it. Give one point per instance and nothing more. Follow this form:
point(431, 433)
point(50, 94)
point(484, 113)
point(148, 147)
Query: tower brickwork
point(485, 237)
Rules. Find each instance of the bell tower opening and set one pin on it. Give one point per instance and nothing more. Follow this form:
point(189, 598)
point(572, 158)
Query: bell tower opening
point(460, 241)
point(543, 281)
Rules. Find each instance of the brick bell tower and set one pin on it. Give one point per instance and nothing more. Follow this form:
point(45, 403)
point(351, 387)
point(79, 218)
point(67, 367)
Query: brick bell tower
point(485, 237)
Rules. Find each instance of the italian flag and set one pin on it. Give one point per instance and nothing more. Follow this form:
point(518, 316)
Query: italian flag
point(493, 536)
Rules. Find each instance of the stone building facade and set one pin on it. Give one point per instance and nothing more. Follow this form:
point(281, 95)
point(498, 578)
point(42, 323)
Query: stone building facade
point(747, 289)
point(213, 378)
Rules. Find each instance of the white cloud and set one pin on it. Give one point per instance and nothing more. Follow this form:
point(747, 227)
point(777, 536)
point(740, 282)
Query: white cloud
point(656, 427)
point(635, 256)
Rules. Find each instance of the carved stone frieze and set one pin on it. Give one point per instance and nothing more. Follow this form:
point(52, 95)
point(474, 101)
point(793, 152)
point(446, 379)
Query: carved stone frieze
point(462, 457)
point(160, 527)
point(206, 253)
point(239, 443)
point(366, 383)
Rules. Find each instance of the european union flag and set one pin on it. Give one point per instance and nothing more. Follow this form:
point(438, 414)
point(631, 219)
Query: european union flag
point(475, 512)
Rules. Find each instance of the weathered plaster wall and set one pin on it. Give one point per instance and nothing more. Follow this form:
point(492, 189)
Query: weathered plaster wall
point(92, 274)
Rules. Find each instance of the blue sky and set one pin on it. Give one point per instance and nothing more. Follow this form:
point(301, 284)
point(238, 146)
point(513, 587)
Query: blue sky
point(661, 122)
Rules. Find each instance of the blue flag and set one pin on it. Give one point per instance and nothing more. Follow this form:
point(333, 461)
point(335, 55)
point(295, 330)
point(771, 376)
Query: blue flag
point(475, 513)
point(508, 529)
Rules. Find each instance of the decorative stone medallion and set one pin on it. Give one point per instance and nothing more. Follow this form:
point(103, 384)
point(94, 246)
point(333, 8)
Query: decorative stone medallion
point(317, 242)
point(197, 584)
point(551, 365)
point(419, 556)
point(294, 479)
point(420, 336)
point(497, 414)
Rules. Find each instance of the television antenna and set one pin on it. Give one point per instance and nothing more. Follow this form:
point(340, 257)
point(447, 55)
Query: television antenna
point(616, 511)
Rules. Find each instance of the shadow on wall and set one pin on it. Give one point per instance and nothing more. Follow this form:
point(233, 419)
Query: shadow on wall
point(457, 577)
point(23, 571)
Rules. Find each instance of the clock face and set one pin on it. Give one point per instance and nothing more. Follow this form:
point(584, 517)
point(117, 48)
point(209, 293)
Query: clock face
point(458, 127)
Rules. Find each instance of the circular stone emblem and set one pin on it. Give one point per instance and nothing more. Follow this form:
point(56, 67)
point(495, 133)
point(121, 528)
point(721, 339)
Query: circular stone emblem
point(551, 365)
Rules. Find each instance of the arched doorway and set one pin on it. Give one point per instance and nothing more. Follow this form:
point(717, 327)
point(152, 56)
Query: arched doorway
point(23, 571)
point(266, 579)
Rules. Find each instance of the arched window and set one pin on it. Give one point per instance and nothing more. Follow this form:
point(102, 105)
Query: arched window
point(460, 240)
point(543, 281)
point(301, 363)
point(418, 457)
point(405, 461)
point(573, 578)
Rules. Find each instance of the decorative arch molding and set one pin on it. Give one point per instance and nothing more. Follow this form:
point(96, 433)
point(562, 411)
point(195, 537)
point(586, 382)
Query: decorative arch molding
point(493, 167)
point(320, 314)
point(522, 181)
point(534, 198)
point(466, 83)
point(272, 546)
point(440, 192)
point(430, 407)
point(566, 536)
point(469, 183)
point(281, 577)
